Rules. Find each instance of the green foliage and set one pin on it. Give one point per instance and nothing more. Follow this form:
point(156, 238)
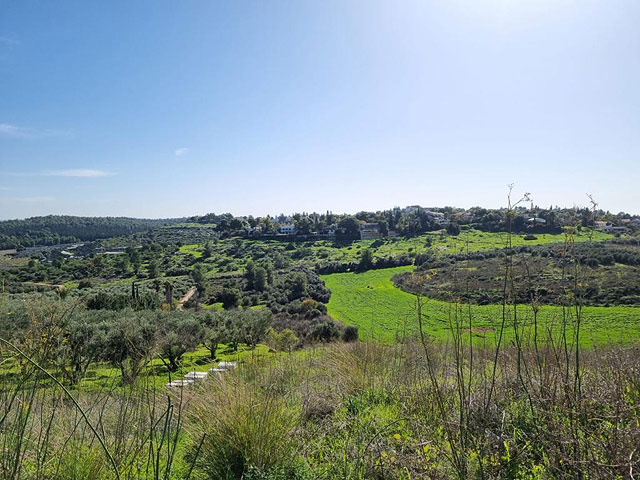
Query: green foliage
point(296, 284)
point(83, 342)
point(366, 260)
point(350, 225)
point(254, 325)
point(198, 277)
point(217, 329)
point(207, 251)
point(325, 332)
point(153, 269)
point(358, 410)
point(177, 334)
point(134, 258)
point(246, 432)
point(129, 344)
point(229, 298)
point(282, 341)
point(106, 301)
point(55, 229)
point(609, 275)
point(453, 229)
point(350, 334)
point(260, 280)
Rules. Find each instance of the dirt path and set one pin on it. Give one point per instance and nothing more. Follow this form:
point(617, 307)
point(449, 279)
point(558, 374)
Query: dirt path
point(47, 285)
point(186, 298)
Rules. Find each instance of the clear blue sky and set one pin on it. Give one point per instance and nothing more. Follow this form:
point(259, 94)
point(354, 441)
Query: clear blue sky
point(166, 108)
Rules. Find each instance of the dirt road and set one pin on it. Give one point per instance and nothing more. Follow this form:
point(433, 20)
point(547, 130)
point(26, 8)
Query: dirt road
point(186, 298)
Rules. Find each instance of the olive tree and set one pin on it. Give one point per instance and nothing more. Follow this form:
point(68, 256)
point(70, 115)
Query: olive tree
point(84, 338)
point(216, 331)
point(130, 343)
point(178, 333)
point(255, 324)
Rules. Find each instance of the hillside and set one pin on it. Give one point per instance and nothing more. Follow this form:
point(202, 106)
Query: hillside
point(57, 229)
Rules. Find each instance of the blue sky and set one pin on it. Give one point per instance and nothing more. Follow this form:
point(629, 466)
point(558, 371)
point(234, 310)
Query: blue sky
point(164, 108)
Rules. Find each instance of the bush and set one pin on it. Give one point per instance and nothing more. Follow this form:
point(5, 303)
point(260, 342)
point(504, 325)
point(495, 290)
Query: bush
point(453, 229)
point(350, 334)
point(325, 332)
point(308, 304)
point(245, 429)
point(591, 262)
point(229, 298)
point(313, 313)
point(289, 472)
point(283, 341)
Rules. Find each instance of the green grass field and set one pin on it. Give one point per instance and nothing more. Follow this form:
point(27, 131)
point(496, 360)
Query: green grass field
point(475, 240)
point(384, 312)
point(192, 249)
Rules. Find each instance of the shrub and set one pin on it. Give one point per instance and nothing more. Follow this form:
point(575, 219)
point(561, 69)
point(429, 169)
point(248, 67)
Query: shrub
point(229, 298)
point(283, 341)
point(308, 304)
point(453, 229)
point(350, 334)
point(296, 284)
point(289, 472)
point(325, 332)
point(591, 262)
point(245, 429)
point(313, 313)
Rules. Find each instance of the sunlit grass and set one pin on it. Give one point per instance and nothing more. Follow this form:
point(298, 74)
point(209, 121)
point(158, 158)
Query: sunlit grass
point(383, 312)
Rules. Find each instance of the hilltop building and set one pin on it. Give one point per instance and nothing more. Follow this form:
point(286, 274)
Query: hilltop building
point(438, 218)
point(369, 231)
point(287, 229)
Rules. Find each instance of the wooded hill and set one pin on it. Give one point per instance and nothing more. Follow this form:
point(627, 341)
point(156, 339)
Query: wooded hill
point(56, 229)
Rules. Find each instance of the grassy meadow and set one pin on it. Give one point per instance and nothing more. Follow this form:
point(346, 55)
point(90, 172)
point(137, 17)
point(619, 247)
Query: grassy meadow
point(355, 411)
point(383, 312)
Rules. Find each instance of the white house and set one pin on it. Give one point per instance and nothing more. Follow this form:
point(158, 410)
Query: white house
point(600, 224)
point(287, 229)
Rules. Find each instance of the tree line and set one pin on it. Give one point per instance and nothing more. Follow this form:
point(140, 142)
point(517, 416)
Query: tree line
point(57, 229)
point(70, 339)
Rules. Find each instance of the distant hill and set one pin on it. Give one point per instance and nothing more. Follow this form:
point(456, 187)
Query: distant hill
point(56, 229)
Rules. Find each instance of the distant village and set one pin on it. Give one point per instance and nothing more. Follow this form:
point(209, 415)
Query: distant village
point(396, 222)
point(367, 230)
point(530, 220)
